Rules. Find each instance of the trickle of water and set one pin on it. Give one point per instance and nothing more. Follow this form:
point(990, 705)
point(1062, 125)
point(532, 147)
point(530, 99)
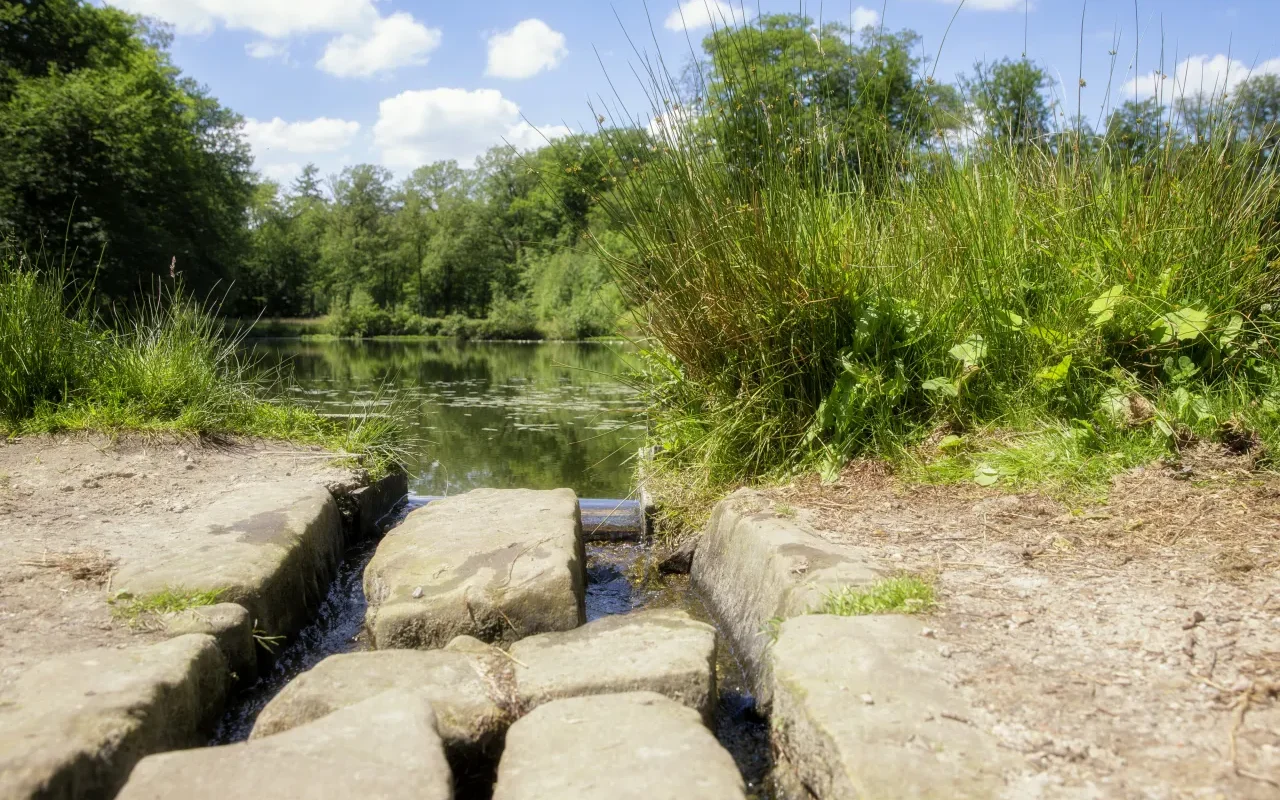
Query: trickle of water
point(338, 627)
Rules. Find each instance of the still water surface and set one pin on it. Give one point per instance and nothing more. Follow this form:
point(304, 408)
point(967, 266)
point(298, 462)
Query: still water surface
point(485, 414)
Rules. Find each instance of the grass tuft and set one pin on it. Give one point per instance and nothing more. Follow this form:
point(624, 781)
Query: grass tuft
point(905, 594)
point(166, 365)
point(137, 610)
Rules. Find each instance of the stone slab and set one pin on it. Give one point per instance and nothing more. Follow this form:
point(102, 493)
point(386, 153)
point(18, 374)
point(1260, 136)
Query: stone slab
point(755, 568)
point(633, 746)
point(495, 564)
point(272, 548)
point(460, 687)
point(230, 626)
point(858, 706)
point(661, 650)
point(382, 749)
point(74, 727)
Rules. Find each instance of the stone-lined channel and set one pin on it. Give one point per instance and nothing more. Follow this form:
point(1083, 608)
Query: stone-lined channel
point(622, 577)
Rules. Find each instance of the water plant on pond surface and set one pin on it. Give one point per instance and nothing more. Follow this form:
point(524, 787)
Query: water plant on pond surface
point(163, 366)
point(809, 302)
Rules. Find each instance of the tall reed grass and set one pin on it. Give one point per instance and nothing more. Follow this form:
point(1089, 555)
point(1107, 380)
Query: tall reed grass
point(163, 365)
point(802, 315)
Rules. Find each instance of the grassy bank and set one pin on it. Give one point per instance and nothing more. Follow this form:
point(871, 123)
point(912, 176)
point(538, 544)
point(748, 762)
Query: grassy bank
point(165, 365)
point(1041, 311)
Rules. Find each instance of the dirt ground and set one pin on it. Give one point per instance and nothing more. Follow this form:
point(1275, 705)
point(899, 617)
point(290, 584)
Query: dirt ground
point(73, 509)
point(1127, 650)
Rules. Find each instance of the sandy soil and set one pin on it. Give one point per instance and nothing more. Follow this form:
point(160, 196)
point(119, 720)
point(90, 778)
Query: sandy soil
point(72, 510)
point(1128, 650)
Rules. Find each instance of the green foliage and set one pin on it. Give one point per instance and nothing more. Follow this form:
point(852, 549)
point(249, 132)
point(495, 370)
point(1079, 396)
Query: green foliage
point(905, 594)
point(108, 150)
point(801, 316)
point(766, 81)
point(572, 290)
point(45, 345)
point(1010, 97)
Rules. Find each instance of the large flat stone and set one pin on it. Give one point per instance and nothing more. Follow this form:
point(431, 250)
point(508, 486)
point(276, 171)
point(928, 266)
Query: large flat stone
point(634, 746)
point(73, 727)
point(900, 744)
point(663, 651)
point(463, 689)
point(495, 564)
point(755, 568)
point(383, 748)
point(272, 548)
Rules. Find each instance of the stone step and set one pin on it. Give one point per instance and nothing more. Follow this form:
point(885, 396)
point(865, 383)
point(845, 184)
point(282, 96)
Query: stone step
point(74, 726)
point(465, 684)
point(477, 689)
point(861, 709)
point(496, 564)
point(756, 568)
point(384, 748)
point(272, 548)
point(633, 746)
point(659, 650)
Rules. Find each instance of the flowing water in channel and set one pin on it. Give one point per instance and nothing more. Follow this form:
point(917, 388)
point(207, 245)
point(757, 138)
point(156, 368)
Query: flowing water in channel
point(499, 415)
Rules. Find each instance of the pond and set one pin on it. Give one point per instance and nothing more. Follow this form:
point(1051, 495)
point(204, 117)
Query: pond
point(483, 414)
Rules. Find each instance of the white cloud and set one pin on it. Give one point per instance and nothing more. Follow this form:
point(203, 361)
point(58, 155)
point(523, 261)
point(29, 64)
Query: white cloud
point(272, 18)
point(367, 42)
point(525, 50)
point(1209, 74)
point(991, 5)
point(321, 135)
point(863, 17)
point(395, 41)
point(670, 126)
point(524, 136)
point(282, 174)
point(267, 48)
point(697, 14)
point(418, 127)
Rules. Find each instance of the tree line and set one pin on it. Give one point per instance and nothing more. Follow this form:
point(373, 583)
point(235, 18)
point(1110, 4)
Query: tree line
point(119, 168)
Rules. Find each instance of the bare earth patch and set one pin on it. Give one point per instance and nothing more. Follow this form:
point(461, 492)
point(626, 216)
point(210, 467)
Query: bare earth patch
point(74, 509)
point(1127, 650)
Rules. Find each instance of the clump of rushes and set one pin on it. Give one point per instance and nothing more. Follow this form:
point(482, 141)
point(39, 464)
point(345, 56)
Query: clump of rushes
point(799, 315)
point(905, 594)
point(164, 365)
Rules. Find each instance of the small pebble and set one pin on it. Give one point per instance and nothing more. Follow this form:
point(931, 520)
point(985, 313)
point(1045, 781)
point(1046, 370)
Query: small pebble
point(944, 651)
point(417, 592)
point(868, 700)
point(928, 633)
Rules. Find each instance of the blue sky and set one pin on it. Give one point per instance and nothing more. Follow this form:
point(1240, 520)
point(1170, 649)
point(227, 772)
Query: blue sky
point(403, 82)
